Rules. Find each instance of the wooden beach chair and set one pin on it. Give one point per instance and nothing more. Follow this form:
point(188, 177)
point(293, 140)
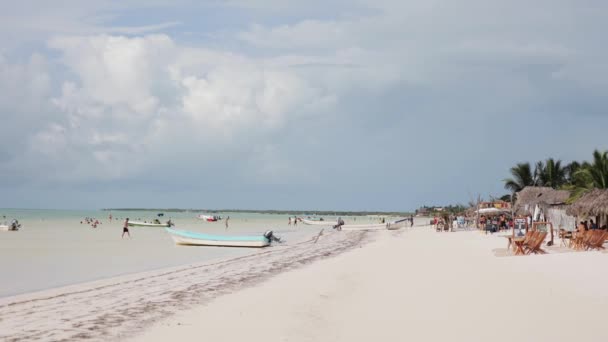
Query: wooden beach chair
point(597, 239)
point(535, 243)
point(565, 238)
point(528, 237)
point(586, 240)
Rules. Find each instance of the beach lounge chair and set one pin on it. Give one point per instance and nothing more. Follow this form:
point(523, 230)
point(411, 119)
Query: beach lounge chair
point(529, 235)
point(535, 243)
point(585, 241)
point(565, 237)
point(596, 240)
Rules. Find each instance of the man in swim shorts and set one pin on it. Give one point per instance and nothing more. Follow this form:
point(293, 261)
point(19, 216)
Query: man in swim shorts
point(125, 228)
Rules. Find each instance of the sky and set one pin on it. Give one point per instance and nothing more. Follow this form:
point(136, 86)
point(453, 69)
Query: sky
point(276, 104)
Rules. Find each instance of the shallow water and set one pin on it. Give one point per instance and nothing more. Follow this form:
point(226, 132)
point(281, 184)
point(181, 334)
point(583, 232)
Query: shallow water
point(54, 249)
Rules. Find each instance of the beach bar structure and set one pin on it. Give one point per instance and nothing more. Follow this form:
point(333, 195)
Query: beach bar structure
point(549, 202)
point(593, 204)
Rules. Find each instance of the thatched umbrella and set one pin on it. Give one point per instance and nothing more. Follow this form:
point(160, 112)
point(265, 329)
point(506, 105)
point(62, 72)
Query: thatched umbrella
point(592, 203)
point(544, 197)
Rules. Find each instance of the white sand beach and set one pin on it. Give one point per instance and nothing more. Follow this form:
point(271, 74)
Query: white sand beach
point(418, 286)
point(412, 284)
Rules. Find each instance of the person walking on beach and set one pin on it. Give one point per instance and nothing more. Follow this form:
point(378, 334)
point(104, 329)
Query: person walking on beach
point(125, 228)
point(295, 220)
point(411, 220)
point(227, 218)
point(289, 221)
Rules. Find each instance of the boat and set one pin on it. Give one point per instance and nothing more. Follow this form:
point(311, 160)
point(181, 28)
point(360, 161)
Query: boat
point(145, 224)
point(13, 227)
point(376, 226)
point(183, 237)
point(208, 218)
point(318, 223)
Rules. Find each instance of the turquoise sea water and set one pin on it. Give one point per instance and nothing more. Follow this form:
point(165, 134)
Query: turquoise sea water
point(53, 248)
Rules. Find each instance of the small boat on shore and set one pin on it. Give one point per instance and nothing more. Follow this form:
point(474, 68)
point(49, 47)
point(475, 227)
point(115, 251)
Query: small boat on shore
point(146, 224)
point(182, 237)
point(318, 223)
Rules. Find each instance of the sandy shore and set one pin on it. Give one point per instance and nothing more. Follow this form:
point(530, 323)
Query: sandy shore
point(417, 286)
point(120, 307)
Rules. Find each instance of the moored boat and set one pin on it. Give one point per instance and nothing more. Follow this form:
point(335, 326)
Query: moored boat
point(145, 224)
point(5, 228)
point(13, 227)
point(182, 237)
point(318, 223)
point(208, 218)
point(373, 226)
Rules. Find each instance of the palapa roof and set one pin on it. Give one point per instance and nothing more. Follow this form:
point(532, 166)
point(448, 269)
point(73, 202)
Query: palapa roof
point(592, 203)
point(530, 196)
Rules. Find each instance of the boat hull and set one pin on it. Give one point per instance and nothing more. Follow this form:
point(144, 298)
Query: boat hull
point(151, 225)
point(318, 223)
point(198, 239)
point(377, 226)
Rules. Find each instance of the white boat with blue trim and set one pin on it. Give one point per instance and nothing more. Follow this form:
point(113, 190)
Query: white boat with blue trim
point(183, 237)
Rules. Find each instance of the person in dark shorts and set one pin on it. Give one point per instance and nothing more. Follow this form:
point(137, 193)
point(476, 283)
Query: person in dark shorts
point(125, 228)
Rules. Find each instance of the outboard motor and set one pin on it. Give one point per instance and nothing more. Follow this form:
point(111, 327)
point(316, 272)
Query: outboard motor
point(15, 225)
point(271, 237)
point(340, 224)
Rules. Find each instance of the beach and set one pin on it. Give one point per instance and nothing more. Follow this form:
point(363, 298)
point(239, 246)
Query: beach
point(417, 286)
point(410, 284)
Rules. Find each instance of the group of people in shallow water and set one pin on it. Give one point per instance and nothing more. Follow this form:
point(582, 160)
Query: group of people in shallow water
point(295, 221)
point(91, 221)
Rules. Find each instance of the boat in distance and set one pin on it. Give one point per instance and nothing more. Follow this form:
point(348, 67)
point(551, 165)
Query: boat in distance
point(183, 237)
point(209, 218)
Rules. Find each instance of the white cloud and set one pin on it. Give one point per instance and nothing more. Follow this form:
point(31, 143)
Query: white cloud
point(131, 103)
point(103, 106)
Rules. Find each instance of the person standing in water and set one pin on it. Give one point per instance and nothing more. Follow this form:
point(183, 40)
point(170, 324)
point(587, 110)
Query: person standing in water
point(125, 229)
point(227, 218)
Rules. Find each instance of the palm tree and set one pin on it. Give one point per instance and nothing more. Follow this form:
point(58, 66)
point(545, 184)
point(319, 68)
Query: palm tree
point(570, 170)
point(589, 176)
point(551, 173)
point(596, 173)
point(522, 177)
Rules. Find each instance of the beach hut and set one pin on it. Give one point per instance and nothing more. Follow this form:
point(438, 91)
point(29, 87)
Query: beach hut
point(545, 204)
point(592, 204)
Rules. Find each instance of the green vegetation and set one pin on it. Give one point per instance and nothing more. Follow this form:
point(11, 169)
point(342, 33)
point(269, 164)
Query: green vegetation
point(449, 209)
point(576, 177)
